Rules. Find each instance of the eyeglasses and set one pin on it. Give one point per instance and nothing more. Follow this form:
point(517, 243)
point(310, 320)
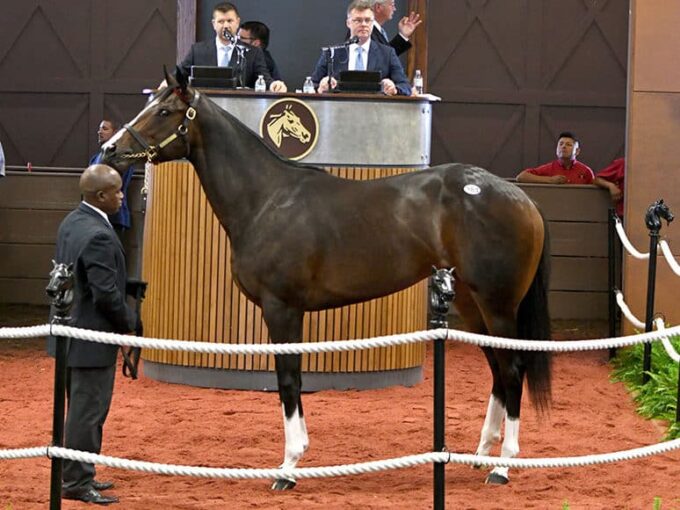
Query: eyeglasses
point(360, 21)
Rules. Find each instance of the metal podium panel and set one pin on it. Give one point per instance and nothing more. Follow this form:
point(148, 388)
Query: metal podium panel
point(352, 130)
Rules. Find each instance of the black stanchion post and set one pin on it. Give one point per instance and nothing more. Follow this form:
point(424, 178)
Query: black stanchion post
point(654, 225)
point(58, 417)
point(611, 236)
point(441, 295)
point(439, 420)
point(60, 290)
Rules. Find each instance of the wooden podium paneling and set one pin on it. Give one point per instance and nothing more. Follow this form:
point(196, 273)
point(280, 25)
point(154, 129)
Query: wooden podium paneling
point(192, 296)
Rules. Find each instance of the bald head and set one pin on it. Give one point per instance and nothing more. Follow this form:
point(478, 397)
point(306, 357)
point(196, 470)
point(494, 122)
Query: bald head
point(100, 186)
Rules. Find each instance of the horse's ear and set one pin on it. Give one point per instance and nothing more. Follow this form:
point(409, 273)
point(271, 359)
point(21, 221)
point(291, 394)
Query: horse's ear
point(182, 80)
point(434, 270)
point(169, 78)
point(54, 263)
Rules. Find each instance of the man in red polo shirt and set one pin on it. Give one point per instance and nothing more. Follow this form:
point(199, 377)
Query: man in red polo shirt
point(612, 178)
point(564, 170)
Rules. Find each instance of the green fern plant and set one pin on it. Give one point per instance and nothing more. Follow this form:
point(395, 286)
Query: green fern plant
point(658, 398)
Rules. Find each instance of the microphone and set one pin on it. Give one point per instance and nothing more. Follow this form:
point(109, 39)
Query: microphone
point(351, 40)
point(229, 36)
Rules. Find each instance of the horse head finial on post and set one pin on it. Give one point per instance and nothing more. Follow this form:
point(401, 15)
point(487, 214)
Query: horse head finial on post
point(655, 213)
point(60, 288)
point(442, 294)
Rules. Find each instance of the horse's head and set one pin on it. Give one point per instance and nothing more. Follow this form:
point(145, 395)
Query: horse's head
point(441, 290)
point(442, 283)
point(287, 123)
point(655, 213)
point(292, 126)
point(160, 132)
point(60, 286)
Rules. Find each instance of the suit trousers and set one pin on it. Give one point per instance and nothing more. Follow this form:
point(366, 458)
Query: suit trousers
point(89, 392)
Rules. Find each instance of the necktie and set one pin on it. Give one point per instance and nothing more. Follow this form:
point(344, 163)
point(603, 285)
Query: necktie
point(359, 65)
point(382, 31)
point(225, 56)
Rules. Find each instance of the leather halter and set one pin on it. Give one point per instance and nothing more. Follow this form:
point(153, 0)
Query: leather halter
point(150, 152)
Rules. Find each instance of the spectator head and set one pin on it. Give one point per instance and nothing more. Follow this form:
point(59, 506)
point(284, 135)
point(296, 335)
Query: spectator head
point(568, 146)
point(100, 186)
point(360, 19)
point(225, 15)
point(255, 33)
point(383, 9)
point(106, 130)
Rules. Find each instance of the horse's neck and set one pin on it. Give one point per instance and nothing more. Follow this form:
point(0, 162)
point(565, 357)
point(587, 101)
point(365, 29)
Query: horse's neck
point(278, 123)
point(237, 171)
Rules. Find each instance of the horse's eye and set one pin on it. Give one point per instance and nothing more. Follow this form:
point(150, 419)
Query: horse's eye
point(164, 112)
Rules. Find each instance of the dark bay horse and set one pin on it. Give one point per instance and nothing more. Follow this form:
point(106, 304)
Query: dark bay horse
point(303, 240)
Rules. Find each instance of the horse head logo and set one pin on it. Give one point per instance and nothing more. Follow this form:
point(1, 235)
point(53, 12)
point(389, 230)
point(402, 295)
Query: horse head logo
point(655, 213)
point(285, 124)
point(60, 286)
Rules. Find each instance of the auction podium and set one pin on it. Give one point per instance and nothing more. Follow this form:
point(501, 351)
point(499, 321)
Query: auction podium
point(186, 253)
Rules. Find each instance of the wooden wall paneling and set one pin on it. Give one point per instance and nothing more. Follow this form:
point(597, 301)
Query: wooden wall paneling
point(578, 239)
point(653, 127)
point(417, 55)
point(506, 74)
point(186, 26)
point(55, 99)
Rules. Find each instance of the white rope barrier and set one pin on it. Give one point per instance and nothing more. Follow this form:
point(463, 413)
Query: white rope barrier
point(670, 259)
point(626, 242)
point(24, 453)
point(665, 249)
point(342, 469)
point(341, 345)
point(660, 326)
point(626, 311)
point(670, 350)
point(25, 332)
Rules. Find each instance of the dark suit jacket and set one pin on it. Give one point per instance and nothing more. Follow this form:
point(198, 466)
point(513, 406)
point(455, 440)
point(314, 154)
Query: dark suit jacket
point(380, 58)
point(86, 240)
point(204, 53)
point(271, 66)
point(399, 44)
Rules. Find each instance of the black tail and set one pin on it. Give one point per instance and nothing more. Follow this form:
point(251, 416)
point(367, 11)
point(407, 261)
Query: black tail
point(533, 323)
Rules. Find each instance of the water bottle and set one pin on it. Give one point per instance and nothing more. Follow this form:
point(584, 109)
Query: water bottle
point(418, 82)
point(260, 84)
point(308, 86)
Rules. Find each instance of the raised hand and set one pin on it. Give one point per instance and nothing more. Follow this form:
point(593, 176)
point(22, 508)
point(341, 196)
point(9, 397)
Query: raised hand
point(408, 24)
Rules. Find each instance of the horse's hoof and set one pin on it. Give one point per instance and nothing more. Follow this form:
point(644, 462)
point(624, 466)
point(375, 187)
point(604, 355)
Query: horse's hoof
point(283, 484)
point(496, 479)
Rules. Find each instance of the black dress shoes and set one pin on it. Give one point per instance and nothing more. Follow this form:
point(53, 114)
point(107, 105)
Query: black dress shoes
point(101, 486)
point(88, 494)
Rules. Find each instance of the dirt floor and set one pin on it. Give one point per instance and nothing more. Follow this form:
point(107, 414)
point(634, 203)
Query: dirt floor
point(176, 424)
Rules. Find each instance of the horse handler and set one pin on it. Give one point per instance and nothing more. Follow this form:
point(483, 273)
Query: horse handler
point(87, 240)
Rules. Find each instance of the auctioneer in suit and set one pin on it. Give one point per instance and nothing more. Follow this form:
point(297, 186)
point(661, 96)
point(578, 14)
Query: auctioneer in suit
point(204, 53)
point(380, 58)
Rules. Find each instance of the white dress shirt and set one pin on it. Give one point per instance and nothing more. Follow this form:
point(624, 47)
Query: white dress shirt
point(223, 52)
point(351, 64)
point(100, 212)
